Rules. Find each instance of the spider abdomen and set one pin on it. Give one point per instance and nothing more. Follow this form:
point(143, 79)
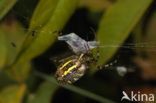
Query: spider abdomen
point(70, 71)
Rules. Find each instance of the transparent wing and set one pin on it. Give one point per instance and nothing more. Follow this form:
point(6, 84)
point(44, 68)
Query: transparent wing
point(78, 44)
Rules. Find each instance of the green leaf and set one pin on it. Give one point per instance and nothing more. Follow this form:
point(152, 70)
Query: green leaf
point(45, 37)
point(15, 34)
point(75, 89)
point(12, 94)
point(42, 13)
point(44, 94)
point(95, 5)
point(41, 16)
point(21, 72)
point(3, 49)
point(5, 80)
point(5, 6)
point(117, 23)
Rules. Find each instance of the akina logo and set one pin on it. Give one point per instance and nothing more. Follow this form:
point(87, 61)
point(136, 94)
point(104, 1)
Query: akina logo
point(137, 96)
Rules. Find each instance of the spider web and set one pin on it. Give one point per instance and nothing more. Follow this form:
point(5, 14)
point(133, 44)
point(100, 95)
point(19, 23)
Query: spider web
point(26, 11)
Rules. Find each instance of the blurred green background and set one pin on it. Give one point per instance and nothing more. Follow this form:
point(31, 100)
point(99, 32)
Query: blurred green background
point(29, 47)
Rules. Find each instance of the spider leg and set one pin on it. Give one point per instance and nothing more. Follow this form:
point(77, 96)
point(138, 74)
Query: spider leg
point(96, 65)
point(54, 60)
point(59, 32)
point(108, 65)
point(93, 31)
point(97, 48)
point(98, 53)
point(103, 66)
point(94, 61)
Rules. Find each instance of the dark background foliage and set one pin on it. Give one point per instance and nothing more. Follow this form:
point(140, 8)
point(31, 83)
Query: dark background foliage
point(28, 49)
